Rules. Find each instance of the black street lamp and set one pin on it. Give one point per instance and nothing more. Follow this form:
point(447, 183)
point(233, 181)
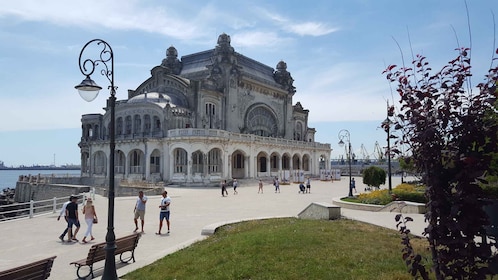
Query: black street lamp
point(344, 134)
point(89, 90)
point(386, 124)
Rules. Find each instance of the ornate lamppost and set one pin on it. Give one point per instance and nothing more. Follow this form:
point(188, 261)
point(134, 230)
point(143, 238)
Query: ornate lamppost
point(344, 135)
point(89, 90)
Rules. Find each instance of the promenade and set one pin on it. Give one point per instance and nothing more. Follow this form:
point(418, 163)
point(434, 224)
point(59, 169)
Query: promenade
point(192, 209)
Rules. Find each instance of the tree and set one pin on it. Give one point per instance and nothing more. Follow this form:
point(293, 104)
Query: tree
point(374, 176)
point(451, 139)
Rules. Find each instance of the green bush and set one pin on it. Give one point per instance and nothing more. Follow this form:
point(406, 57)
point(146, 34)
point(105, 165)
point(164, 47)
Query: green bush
point(374, 176)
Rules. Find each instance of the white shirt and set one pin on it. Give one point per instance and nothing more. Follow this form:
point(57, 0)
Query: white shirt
point(63, 209)
point(165, 201)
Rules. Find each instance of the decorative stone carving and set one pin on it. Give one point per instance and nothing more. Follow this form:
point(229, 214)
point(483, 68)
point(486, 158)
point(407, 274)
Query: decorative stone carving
point(171, 61)
point(284, 78)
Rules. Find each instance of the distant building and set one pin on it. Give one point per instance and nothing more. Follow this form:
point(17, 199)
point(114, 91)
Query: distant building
point(212, 115)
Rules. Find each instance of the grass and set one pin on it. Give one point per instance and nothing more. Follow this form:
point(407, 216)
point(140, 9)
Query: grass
point(288, 249)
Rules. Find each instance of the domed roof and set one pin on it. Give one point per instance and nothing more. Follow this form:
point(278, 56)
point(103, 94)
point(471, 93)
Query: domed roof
point(159, 99)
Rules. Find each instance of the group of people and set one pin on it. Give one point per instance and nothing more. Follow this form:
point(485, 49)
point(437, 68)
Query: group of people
point(307, 188)
point(224, 185)
point(276, 184)
point(164, 211)
point(70, 213)
point(71, 216)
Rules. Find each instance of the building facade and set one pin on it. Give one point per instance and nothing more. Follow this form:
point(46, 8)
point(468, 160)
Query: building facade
point(210, 116)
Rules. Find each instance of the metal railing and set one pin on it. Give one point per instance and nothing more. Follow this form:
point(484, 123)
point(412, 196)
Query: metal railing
point(36, 208)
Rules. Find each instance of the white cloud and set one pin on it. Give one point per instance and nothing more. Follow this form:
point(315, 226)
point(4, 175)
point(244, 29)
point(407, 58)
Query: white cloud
point(112, 14)
point(306, 28)
point(257, 39)
point(311, 28)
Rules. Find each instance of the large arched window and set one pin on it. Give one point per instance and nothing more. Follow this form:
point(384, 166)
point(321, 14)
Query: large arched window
point(197, 162)
point(214, 161)
point(99, 163)
point(155, 162)
point(180, 161)
point(261, 121)
point(119, 162)
point(136, 161)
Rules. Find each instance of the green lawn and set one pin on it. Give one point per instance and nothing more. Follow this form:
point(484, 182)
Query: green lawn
point(287, 249)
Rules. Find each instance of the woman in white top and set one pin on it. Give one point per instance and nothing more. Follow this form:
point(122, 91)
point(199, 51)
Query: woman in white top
point(90, 214)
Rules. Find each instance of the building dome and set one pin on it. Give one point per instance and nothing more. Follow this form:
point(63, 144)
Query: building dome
point(159, 99)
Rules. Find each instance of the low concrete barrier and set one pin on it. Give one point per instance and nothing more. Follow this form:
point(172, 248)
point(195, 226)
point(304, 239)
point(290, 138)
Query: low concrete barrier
point(321, 211)
point(395, 206)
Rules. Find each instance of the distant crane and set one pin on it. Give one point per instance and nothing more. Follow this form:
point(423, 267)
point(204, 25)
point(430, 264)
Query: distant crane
point(378, 153)
point(364, 154)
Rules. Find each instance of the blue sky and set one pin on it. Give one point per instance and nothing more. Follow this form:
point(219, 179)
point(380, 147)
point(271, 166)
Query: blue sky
point(335, 51)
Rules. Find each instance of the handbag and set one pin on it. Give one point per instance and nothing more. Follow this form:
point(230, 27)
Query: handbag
point(95, 221)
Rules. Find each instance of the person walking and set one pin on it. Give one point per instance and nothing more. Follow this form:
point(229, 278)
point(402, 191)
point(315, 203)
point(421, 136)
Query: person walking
point(73, 217)
point(90, 216)
point(276, 183)
point(308, 185)
point(224, 188)
point(260, 186)
point(139, 210)
point(63, 212)
point(164, 212)
point(235, 185)
point(353, 184)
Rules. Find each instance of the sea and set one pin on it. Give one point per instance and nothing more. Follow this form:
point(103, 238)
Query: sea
point(8, 178)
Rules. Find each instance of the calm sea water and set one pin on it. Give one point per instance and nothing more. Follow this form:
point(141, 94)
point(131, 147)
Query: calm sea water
point(8, 178)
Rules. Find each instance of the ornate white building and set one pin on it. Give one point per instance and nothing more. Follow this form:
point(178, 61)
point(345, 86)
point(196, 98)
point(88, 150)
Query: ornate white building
point(210, 116)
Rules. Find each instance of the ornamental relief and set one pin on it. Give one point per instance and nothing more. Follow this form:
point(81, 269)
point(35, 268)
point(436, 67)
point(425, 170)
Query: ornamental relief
point(244, 100)
point(262, 90)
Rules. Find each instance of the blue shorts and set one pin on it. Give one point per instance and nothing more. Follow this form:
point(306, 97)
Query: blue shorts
point(71, 222)
point(164, 215)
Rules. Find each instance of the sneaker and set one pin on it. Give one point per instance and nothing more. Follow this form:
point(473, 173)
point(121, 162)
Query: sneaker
point(61, 238)
point(168, 230)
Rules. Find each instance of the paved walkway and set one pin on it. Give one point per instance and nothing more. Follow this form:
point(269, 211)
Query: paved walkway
point(192, 209)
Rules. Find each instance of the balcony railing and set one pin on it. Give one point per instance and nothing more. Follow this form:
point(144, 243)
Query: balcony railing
point(200, 132)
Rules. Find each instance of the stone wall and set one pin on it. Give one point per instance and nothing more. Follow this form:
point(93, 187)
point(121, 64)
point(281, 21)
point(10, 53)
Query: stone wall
point(26, 191)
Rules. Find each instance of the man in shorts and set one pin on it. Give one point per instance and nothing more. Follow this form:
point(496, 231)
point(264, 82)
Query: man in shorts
point(72, 217)
point(140, 210)
point(164, 212)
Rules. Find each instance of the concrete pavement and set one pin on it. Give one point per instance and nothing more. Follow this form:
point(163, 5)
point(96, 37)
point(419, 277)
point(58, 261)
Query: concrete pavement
point(192, 209)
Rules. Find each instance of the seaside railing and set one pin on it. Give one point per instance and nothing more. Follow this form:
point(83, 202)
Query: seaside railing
point(36, 208)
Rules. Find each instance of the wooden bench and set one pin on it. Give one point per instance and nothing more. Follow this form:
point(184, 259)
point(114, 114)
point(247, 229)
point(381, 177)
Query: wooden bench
point(98, 253)
point(39, 270)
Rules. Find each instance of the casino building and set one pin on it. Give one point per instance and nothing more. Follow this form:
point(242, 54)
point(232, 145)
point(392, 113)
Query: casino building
point(206, 117)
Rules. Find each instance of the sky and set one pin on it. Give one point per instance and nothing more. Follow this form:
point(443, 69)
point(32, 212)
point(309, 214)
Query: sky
point(335, 50)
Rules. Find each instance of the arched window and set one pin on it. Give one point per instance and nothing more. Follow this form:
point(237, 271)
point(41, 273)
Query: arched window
point(180, 161)
point(214, 161)
point(210, 115)
point(128, 125)
point(137, 124)
point(119, 126)
point(147, 124)
point(197, 162)
point(136, 162)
